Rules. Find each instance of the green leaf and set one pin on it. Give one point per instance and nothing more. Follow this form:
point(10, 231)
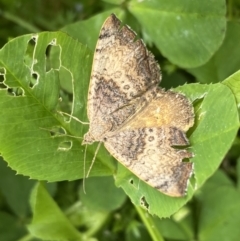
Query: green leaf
point(87, 31)
point(233, 82)
point(216, 125)
point(30, 124)
point(219, 213)
point(188, 33)
point(16, 189)
point(102, 194)
point(225, 61)
point(49, 222)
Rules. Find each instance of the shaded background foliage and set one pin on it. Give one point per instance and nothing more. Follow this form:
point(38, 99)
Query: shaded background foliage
point(90, 217)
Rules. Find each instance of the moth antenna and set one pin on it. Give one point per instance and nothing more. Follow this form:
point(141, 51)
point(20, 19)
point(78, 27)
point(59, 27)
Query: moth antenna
point(77, 137)
point(93, 160)
point(84, 169)
point(73, 117)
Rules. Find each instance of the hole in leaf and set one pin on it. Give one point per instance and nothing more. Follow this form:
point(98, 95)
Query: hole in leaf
point(2, 78)
point(34, 80)
point(16, 91)
point(144, 203)
point(134, 183)
point(34, 38)
point(52, 57)
point(28, 56)
point(65, 146)
point(185, 160)
point(2, 85)
point(57, 131)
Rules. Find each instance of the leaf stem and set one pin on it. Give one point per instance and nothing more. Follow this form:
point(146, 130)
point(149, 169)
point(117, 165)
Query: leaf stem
point(150, 224)
point(19, 21)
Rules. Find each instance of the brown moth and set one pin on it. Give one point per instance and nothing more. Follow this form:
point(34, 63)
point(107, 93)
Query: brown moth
point(138, 122)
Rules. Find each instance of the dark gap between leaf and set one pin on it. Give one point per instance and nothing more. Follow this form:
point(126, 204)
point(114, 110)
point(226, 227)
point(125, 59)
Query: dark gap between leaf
point(229, 164)
point(180, 147)
point(83, 228)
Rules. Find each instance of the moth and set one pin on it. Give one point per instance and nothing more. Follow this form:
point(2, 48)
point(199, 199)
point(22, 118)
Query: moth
point(140, 124)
